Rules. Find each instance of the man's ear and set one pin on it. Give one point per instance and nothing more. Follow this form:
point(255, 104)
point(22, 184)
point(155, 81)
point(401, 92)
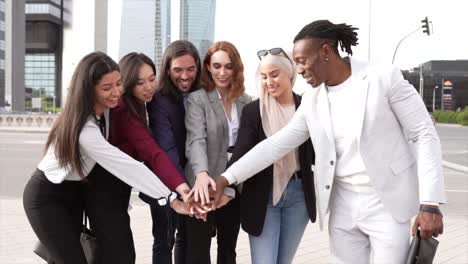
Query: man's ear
point(326, 51)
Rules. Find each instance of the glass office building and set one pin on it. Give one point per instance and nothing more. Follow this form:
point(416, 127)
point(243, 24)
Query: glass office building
point(197, 23)
point(145, 28)
point(39, 79)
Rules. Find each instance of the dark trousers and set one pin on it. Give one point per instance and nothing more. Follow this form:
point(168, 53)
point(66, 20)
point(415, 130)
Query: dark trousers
point(107, 200)
point(165, 222)
point(55, 212)
point(224, 222)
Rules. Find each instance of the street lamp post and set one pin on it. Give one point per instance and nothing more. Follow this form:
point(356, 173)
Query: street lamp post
point(425, 26)
point(442, 95)
point(401, 40)
point(433, 97)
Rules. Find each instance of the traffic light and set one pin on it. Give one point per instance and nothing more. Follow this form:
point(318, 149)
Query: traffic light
point(425, 26)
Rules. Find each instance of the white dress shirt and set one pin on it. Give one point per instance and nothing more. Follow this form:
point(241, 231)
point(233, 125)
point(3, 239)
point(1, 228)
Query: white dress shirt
point(94, 148)
point(233, 123)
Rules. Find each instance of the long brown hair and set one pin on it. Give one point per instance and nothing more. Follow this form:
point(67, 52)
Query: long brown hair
point(177, 49)
point(130, 66)
point(79, 107)
point(237, 81)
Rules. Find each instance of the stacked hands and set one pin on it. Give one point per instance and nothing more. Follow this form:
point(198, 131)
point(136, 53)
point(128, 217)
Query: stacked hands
point(206, 195)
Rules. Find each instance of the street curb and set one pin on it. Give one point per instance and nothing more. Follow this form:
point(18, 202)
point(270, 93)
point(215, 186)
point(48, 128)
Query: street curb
point(449, 125)
point(455, 166)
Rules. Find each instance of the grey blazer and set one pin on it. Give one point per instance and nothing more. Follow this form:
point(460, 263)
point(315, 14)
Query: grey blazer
point(207, 133)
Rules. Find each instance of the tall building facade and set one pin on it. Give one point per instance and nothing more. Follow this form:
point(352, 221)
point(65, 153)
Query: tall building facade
point(162, 32)
point(2, 53)
point(43, 57)
point(31, 53)
point(145, 28)
point(197, 22)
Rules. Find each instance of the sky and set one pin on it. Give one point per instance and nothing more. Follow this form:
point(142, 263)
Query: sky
point(264, 24)
point(252, 25)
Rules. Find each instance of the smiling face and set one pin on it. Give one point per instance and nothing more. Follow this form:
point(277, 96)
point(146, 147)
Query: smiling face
point(308, 55)
point(275, 81)
point(146, 84)
point(221, 69)
point(107, 91)
point(183, 71)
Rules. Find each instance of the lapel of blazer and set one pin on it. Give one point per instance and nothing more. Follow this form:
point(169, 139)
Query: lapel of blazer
point(324, 115)
point(360, 81)
point(219, 110)
point(240, 103)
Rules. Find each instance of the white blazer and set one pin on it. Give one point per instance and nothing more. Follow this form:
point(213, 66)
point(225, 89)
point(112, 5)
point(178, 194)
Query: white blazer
point(392, 118)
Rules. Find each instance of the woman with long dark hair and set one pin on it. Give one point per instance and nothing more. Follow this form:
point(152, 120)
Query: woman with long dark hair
point(108, 196)
point(53, 197)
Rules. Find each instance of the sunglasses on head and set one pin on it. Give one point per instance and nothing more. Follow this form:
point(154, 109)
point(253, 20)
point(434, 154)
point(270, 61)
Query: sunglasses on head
point(273, 51)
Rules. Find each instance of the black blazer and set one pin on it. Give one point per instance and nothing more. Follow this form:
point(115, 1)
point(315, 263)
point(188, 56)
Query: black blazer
point(167, 122)
point(256, 190)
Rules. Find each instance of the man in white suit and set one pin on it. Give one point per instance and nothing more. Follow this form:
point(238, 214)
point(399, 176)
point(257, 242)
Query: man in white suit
point(362, 120)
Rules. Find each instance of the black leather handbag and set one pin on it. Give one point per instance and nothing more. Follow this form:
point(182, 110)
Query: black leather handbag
point(87, 240)
point(422, 250)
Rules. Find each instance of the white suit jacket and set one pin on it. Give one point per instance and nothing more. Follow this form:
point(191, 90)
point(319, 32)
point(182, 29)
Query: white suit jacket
point(392, 117)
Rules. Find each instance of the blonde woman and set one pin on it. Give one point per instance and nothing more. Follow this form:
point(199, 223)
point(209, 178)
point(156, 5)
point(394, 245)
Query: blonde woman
point(278, 202)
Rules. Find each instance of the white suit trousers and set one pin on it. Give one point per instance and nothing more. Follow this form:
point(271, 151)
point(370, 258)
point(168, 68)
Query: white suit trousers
point(362, 231)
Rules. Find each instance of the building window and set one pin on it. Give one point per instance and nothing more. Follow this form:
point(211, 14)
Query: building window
point(39, 76)
point(42, 9)
point(2, 25)
point(2, 6)
point(57, 2)
point(2, 64)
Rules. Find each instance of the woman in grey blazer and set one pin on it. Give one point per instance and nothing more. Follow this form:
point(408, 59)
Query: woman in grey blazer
point(212, 121)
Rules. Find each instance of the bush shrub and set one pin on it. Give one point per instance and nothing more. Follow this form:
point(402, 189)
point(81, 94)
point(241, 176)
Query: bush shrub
point(452, 117)
point(462, 117)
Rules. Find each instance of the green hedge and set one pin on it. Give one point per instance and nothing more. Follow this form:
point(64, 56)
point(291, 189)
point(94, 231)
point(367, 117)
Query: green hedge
point(452, 117)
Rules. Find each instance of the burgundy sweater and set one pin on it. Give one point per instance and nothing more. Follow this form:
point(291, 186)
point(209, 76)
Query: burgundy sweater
point(131, 136)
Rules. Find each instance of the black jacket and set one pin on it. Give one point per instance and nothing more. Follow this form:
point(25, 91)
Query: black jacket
point(256, 190)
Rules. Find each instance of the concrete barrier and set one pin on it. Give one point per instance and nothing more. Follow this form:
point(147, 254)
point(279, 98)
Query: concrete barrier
point(27, 122)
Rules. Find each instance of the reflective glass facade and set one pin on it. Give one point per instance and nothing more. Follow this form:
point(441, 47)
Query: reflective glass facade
point(197, 20)
point(150, 39)
point(39, 77)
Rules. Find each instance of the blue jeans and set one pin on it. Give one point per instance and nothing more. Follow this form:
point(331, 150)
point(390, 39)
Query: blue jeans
point(283, 228)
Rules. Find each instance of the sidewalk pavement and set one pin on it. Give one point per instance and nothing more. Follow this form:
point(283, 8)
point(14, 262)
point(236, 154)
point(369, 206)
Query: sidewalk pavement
point(17, 238)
